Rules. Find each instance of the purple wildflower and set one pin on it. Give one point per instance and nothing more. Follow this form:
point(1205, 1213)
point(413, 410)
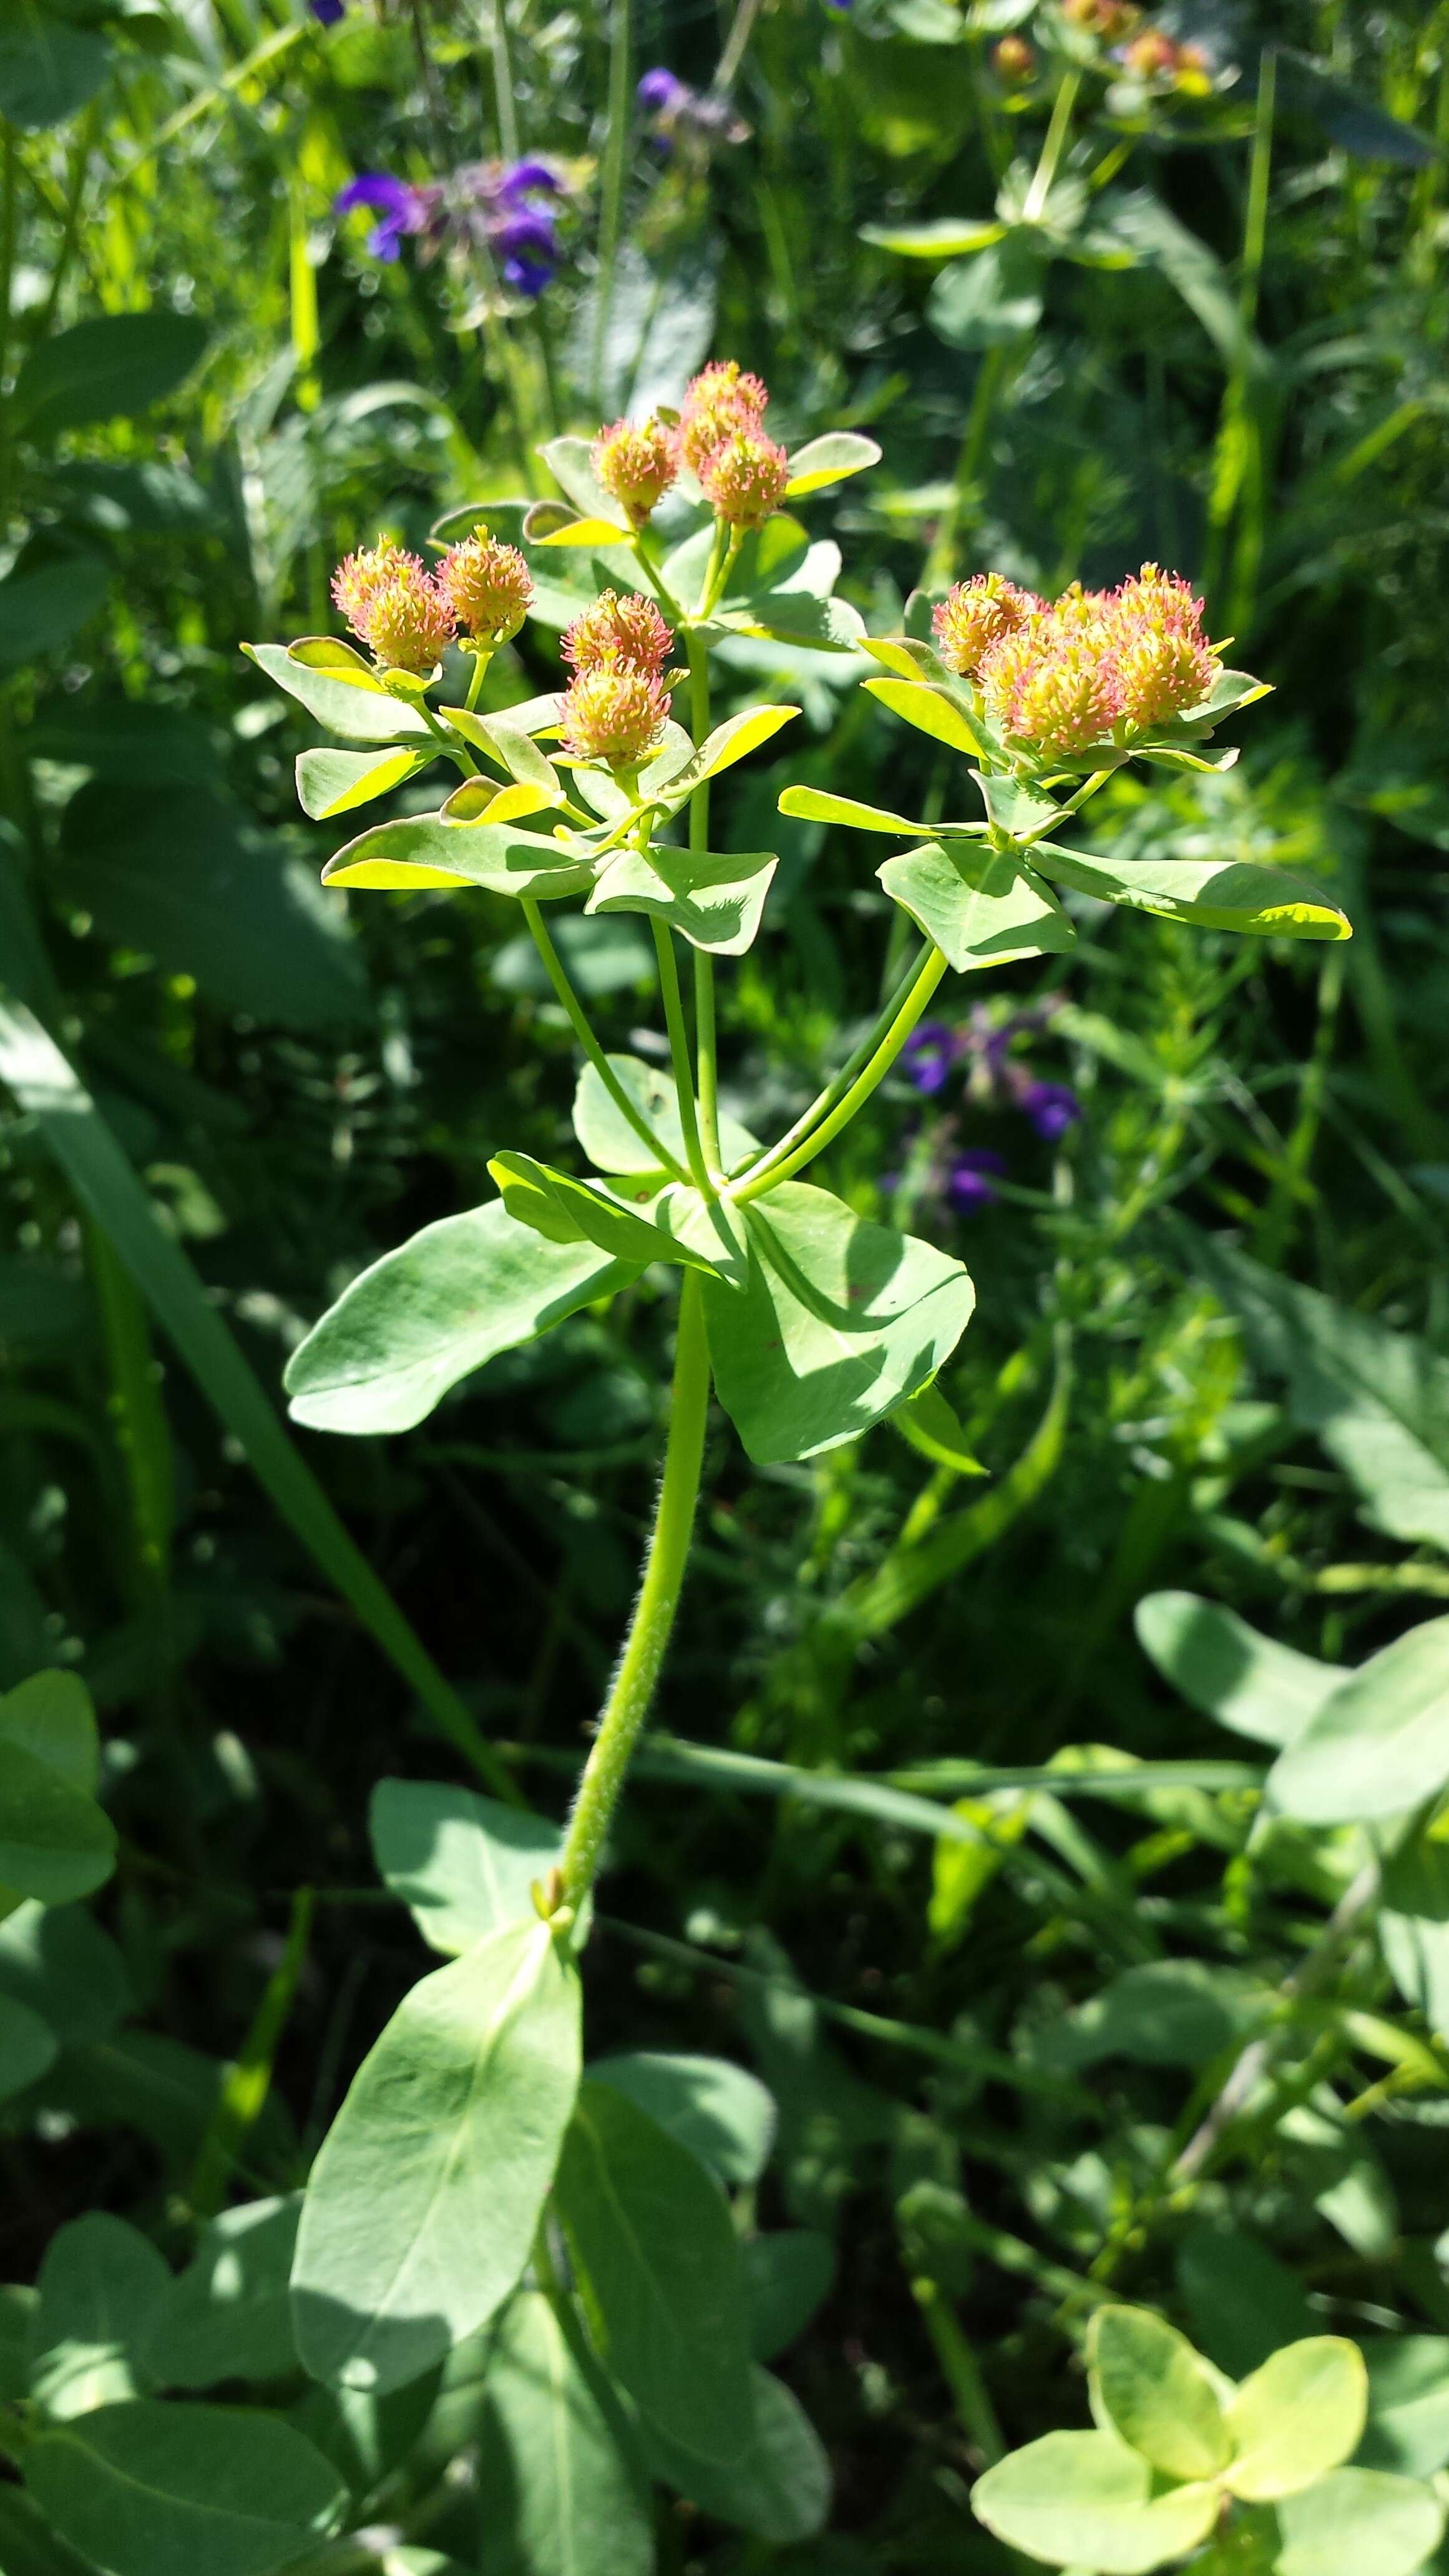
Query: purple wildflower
point(662, 93)
point(1052, 1107)
point(969, 1178)
point(526, 248)
point(928, 1055)
point(327, 12)
point(400, 207)
point(524, 179)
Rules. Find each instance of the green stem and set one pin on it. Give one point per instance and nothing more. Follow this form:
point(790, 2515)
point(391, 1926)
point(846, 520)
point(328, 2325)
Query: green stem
point(632, 1689)
point(502, 81)
point(679, 1050)
point(769, 1174)
point(553, 967)
point(475, 685)
point(961, 2370)
point(706, 1049)
point(990, 376)
point(1053, 148)
point(612, 201)
point(840, 1082)
point(9, 175)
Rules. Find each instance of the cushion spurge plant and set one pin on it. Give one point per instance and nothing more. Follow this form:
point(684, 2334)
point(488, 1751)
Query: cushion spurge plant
point(470, 2148)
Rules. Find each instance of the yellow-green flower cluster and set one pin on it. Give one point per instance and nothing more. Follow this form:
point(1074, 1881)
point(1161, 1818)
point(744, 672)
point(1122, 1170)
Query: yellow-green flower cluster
point(1093, 667)
point(394, 606)
point(616, 705)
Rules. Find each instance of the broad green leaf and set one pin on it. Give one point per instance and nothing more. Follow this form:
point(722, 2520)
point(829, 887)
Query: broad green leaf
point(780, 2486)
point(721, 2112)
point(367, 2436)
point(1157, 2393)
point(433, 1311)
point(51, 1716)
point(48, 68)
point(332, 653)
point(1380, 1741)
point(733, 740)
point(508, 739)
point(948, 237)
point(975, 904)
point(992, 300)
point(18, 2308)
point(571, 531)
point(55, 1843)
point(1414, 1927)
point(715, 900)
point(100, 2285)
point(927, 1423)
point(40, 611)
point(829, 460)
point(1219, 894)
point(564, 1208)
point(841, 1319)
point(1084, 2500)
point(422, 2204)
point(1408, 2405)
point(557, 2496)
point(931, 711)
point(795, 614)
point(1298, 2416)
point(157, 2490)
point(59, 1963)
point(422, 849)
point(813, 805)
point(228, 2315)
point(1167, 2012)
point(463, 1863)
point(29, 2545)
point(1243, 2302)
point(359, 715)
point(611, 1141)
point(787, 2274)
point(1359, 2519)
point(27, 2044)
point(910, 657)
point(1223, 1667)
point(110, 367)
point(714, 1229)
point(483, 800)
point(332, 782)
point(657, 2264)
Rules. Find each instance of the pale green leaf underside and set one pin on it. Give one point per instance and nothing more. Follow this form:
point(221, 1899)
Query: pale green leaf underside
point(150, 2489)
point(1296, 2418)
point(1085, 2500)
point(1252, 1684)
point(1157, 2393)
point(1379, 1743)
point(978, 907)
point(463, 1863)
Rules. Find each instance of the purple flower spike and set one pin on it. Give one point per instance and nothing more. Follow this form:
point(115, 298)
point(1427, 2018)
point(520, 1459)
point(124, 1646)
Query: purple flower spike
point(661, 93)
point(523, 179)
point(969, 1179)
point(392, 199)
point(1052, 1108)
point(327, 12)
point(526, 245)
point(928, 1055)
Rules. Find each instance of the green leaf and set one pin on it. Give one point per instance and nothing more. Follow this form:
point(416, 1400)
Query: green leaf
point(420, 850)
point(840, 1321)
point(100, 2285)
point(658, 2269)
point(556, 2494)
point(1298, 2416)
point(422, 2204)
point(1167, 2012)
point(929, 1425)
point(463, 1863)
point(1084, 2500)
point(55, 1843)
point(1358, 2519)
point(40, 611)
point(157, 2490)
point(1223, 1667)
point(721, 2112)
point(813, 805)
point(715, 900)
point(332, 782)
point(1414, 1927)
point(992, 300)
point(975, 904)
point(27, 2045)
point(360, 715)
point(1157, 2393)
point(948, 237)
point(1408, 2405)
point(1380, 1741)
point(610, 1141)
point(433, 1311)
point(713, 1229)
point(787, 2275)
point(228, 2315)
point(28, 2545)
point(733, 740)
point(932, 711)
point(829, 460)
point(780, 2486)
point(1218, 894)
point(111, 367)
point(570, 462)
point(564, 1208)
point(1242, 2301)
point(48, 69)
point(367, 2437)
point(64, 1968)
point(51, 1716)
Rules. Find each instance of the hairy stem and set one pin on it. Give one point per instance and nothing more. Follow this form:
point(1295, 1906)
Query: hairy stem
point(706, 1053)
point(679, 1052)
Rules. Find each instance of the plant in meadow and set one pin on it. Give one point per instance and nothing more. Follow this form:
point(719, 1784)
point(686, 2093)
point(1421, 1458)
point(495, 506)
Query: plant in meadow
point(508, 209)
point(468, 2137)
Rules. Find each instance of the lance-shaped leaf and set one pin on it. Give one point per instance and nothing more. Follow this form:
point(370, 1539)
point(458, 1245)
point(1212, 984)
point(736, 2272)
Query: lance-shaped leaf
point(840, 1321)
point(567, 1210)
point(428, 1314)
point(932, 710)
point(714, 899)
point(556, 2492)
point(462, 1863)
point(151, 2489)
point(424, 850)
point(332, 782)
point(508, 737)
point(423, 2202)
point(658, 2268)
point(733, 740)
point(1230, 691)
point(359, 714)
point(799, 616)
point(976, 903)
point(612, 1142)
point(948, 237)
point(814, 805)
point(779, 2488)
point(1160, 2395)
point(1220, 894)
point(1085, 2500)
point(344, 662)
point(829, 460)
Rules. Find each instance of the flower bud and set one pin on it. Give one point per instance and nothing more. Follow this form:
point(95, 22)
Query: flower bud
point(628, 634)
point(392, 602)
point(613, 714)
point(1152, 55)
point(744, 480)
point(635, 463)
point(720, 400)
point(1108, 19)
point(488, 586)
point(1013, 59)
point(1068, 699)
point(976, 616)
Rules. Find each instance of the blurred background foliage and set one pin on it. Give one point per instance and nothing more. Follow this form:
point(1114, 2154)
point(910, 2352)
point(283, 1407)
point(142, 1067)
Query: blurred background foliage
point(224, 1092)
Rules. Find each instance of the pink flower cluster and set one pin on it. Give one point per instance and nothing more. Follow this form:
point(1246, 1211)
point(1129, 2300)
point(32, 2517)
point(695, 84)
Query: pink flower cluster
point(616, 705)
point(1094, 666)
point(720, 437)
point(406, 615)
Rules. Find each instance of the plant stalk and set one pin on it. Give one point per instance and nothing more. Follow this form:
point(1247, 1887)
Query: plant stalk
point(767, 1176)
point(706, 1050)
point(553, 967)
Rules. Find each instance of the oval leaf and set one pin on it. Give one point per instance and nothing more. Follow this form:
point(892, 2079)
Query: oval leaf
point(1298, 2417)
point(332, 782)
point(813, 805)
point(1218, 894)
point(976, 904)
point(156, 2490)
point(426, 849)
point(1157, 2392)
point(1084, 2500)
point(1358, 2519)
point(829, 460)
point(55, 1843)
point(554, 2486)
point(463, 1863)
point(1223, 1667)
point(1379, 1742)
point(721, 2112)
point(360, 715)
point(931, 711)
point(780, 2486)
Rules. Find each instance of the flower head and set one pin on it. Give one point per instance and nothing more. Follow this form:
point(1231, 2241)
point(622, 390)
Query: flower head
point(327, 12)
point(1165, 660)
point(976, 615)
point(488, 586)
point(1059, 691)
point(1152, 55)
point(526, 247)
point(393, 603)
point(635, 463)
point(1013, 59)
point(621, 634)
point(718, 401)
point(928, 1055)
point(1108, 19)
point(662, 93)
point(520, 180)
point(613, 714)
point(1052, 1107)
point(400, 209)
point(744, 480)
point(969, 1178)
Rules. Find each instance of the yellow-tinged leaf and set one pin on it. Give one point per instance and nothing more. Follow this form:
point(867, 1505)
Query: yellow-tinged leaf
point(929, 710)
point(328, 653)
point(586, 532)
point(392, 875)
